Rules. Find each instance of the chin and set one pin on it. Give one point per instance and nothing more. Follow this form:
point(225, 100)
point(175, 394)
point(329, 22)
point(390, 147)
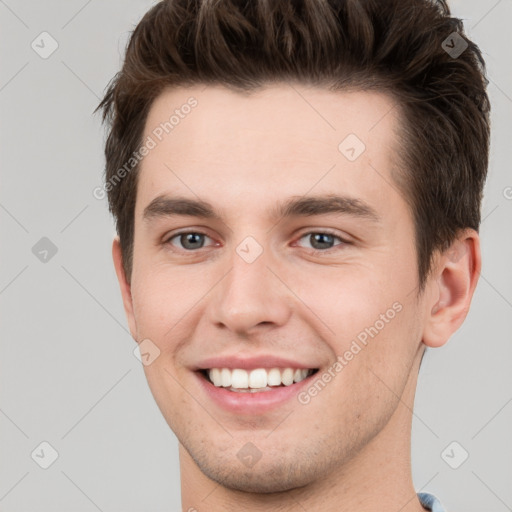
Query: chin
point(265, 480)
point(273, 473)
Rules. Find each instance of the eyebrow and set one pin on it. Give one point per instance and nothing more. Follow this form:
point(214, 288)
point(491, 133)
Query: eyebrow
point(305, 206)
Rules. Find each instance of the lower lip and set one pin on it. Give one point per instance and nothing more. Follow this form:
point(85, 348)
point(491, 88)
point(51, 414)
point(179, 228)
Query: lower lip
point(251, 403)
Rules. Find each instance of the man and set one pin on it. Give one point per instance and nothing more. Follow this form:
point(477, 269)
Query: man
point(328, 160)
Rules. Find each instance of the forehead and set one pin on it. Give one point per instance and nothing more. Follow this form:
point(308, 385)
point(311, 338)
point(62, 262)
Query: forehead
point(285, 139)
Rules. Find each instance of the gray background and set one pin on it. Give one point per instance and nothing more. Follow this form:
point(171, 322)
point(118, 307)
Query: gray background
point(68, 373)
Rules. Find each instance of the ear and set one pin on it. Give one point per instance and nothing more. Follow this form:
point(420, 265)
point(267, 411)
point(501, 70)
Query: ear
point(451, 287)
point(126, 291)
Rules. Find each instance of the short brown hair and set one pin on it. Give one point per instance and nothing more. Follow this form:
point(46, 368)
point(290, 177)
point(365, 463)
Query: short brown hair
point(400, 47)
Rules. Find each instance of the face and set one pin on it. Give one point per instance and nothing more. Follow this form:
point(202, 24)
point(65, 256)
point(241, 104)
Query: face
point(300, 259)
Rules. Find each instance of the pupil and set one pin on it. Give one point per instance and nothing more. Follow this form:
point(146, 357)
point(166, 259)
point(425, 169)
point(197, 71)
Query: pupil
point(322, 235)
point(189, 237)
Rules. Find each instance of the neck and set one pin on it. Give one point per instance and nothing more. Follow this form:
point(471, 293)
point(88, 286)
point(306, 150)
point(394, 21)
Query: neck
point(378, 478)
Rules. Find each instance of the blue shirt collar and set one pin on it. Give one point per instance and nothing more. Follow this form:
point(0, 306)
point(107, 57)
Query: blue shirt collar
point(430, 502)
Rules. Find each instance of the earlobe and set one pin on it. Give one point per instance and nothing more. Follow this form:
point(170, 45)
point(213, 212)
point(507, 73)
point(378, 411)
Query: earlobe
point(452, 287)
point(124, 285)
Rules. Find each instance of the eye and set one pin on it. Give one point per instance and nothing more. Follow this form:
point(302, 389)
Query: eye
point(189, 240)
point(322, 240)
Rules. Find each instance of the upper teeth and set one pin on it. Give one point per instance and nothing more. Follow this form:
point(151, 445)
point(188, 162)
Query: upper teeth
point(258, 378)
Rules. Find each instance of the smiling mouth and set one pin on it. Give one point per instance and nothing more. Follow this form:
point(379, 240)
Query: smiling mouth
point(253, 381)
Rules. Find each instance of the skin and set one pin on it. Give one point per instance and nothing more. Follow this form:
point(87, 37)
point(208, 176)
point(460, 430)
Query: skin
point(349, 447)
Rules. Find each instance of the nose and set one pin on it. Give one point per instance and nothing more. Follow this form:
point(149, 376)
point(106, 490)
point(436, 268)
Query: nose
point(251, 295)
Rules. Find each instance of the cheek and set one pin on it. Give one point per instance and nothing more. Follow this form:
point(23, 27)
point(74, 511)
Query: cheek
point(353, 301)
point(375, 321)
point(168, 304)
point(161, 298)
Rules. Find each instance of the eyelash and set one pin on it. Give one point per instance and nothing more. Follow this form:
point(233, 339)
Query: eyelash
point(314, 251)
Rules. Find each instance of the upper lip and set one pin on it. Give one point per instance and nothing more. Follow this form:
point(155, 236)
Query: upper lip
point(251, 363)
